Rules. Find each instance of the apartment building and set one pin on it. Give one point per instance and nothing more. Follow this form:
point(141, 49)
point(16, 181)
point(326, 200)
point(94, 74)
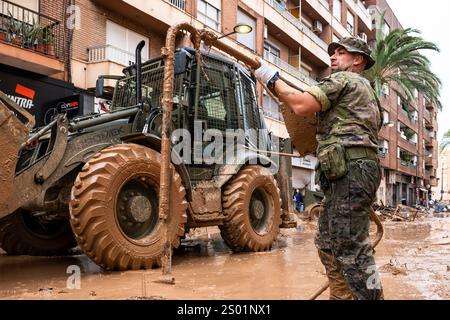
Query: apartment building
point(408, 144)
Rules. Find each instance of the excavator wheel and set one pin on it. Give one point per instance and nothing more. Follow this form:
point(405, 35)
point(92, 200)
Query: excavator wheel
point(22, 233)
point(251, 204)
point(114, 208)
point(313, 211)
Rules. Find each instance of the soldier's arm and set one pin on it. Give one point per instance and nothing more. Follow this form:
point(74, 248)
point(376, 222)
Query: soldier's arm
point(301, 103)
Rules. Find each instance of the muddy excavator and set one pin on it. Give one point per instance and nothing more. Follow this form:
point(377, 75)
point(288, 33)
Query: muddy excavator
point(112, 184)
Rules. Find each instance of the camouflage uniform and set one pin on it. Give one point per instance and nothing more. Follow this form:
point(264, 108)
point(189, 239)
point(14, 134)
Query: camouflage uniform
point(351, 117)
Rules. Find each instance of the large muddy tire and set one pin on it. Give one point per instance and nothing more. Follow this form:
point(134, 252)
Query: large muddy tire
point(114, 208)
point(24, 234)
point(252, 206)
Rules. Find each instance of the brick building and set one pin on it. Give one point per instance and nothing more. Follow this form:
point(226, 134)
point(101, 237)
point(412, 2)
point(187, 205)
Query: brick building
point(408, 144)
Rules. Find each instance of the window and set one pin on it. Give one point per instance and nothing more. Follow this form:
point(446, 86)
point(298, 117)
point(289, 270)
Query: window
point(248, 40)
point(271, 53)
point(385, 89)
point(383, 148)
point(271, 109)
point(350, 22)
point(385, 117)
point(209, 13)
point(337, 6)
point(121, 44)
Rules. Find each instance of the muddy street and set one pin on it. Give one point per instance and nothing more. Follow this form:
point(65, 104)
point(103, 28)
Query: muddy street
point(413, 260)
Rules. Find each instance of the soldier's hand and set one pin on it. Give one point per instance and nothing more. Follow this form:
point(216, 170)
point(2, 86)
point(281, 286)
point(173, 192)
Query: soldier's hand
point(264, 73)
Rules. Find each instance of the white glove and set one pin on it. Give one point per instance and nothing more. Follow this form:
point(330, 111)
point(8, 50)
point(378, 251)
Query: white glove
point(264, 73)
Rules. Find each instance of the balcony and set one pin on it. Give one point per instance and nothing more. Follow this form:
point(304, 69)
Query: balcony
point(407, 145)
point(283, 65)
point(429, 144)
point(295, 29)
point(429, 125)
point(180, 4)
point(110, 53)
point(431, 163)
point(102, 59)
point(407, 167)
point(407, 118)
point(30, 40)
point(434, 182)
point(310, 34)
point(429, 106)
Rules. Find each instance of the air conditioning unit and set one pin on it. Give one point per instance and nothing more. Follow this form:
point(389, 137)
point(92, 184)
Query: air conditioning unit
point(317, 26)
point(385, 89)
point(363, 36)
point(383, 151)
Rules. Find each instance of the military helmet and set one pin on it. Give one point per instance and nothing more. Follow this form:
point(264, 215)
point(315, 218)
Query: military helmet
point(353, 45)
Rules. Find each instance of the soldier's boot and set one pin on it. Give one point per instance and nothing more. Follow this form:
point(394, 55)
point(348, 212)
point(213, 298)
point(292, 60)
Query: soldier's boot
point(339, 289)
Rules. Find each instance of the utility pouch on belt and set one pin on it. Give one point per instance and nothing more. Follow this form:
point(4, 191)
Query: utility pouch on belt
point(332, 161)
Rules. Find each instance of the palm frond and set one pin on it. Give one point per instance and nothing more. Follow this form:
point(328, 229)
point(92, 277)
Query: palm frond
point(401, 64)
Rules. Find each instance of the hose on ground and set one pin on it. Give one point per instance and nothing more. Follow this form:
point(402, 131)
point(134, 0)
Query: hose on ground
point(376, 241)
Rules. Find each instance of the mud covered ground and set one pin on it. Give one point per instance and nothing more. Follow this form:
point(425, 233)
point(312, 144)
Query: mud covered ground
point(414, 260)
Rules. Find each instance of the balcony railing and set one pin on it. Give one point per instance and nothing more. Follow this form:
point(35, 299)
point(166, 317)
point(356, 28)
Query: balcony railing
point(110, 53)
point(288, 68)
point(31, 30)
point(180, 4)
point(297, 23)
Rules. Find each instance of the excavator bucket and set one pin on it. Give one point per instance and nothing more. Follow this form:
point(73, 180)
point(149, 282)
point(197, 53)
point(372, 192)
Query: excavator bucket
point(15, 125)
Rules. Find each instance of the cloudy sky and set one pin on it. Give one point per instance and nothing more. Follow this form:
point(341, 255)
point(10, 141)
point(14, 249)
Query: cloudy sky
point(431, 18)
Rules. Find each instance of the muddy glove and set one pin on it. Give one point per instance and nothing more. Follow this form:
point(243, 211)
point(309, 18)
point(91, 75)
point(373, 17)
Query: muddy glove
point(265, 73)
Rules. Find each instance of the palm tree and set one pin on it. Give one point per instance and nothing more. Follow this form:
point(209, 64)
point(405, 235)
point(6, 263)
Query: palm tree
point(401, 64)
point(445, 141)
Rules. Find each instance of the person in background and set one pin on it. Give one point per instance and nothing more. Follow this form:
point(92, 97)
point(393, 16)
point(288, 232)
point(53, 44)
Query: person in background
point(298, 200)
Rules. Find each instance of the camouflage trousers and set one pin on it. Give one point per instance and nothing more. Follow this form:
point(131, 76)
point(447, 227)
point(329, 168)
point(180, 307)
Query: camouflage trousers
point(343, 232)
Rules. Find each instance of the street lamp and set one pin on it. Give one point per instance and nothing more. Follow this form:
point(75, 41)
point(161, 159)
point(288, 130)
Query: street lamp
point(442, 183)
point(240, 28)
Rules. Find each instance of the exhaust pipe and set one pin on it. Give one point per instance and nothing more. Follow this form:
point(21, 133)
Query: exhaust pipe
point(139, 48)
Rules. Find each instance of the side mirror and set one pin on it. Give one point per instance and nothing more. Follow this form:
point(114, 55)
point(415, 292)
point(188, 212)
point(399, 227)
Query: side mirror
point(99, 87)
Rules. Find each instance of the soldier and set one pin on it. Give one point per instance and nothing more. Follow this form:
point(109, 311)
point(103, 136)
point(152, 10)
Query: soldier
point(349, 119)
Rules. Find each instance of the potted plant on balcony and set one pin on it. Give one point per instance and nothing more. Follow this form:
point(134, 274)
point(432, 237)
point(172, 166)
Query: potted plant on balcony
point(15, 30)
point(36, 37)
point(48, 40)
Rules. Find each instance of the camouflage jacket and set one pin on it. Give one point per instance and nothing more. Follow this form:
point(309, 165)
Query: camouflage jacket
point(351, 112)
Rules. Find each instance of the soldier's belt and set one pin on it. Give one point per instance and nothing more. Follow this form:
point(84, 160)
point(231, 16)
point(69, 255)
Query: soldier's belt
point(357, 153)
